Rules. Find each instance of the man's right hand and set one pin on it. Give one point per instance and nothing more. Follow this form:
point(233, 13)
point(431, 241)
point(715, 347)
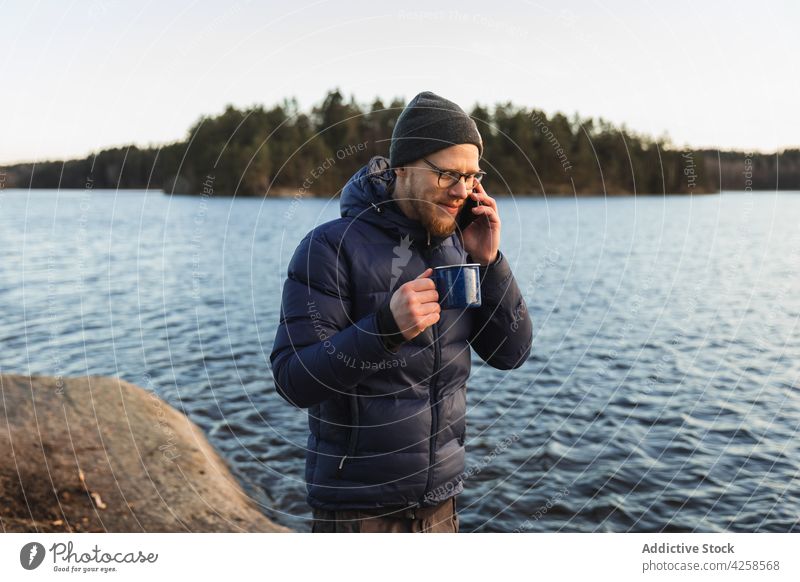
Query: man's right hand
point(415, 305)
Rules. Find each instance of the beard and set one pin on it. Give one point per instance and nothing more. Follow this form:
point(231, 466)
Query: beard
point(428, 212)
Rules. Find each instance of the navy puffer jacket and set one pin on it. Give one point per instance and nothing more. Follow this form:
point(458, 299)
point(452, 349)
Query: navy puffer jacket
point(387, 427)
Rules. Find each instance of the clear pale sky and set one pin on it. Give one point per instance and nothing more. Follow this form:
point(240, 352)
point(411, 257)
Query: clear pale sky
point(79, 76)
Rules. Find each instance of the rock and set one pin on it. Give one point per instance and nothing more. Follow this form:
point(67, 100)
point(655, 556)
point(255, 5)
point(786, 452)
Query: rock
point(100, 454)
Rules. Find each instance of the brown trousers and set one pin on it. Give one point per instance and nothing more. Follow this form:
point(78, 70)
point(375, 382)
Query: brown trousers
point(441, 518)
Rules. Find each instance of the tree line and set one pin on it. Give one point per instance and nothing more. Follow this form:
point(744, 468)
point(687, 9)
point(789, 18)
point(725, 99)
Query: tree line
point(283, 151)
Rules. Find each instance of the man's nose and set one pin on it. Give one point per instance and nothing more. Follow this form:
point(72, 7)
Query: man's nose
point(459, 189)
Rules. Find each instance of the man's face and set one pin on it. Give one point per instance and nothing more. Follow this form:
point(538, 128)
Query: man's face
point(420, 197)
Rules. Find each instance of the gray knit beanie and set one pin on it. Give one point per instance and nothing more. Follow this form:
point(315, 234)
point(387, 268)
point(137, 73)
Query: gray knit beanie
point(430, 123)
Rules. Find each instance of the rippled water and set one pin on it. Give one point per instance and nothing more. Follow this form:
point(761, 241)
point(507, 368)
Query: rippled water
point(661, 395)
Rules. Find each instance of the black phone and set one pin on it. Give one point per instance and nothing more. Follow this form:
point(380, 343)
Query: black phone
point(465, 215)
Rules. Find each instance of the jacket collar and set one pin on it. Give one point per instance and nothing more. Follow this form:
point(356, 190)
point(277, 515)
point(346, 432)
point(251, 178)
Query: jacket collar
point(365, 197)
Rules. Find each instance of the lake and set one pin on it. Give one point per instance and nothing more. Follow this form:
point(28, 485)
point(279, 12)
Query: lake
point(661, 393)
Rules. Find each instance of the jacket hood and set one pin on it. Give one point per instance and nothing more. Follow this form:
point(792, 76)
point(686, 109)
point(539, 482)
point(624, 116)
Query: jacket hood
point(365, 197)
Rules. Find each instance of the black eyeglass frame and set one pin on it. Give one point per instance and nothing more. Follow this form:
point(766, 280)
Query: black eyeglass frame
point(454, 175)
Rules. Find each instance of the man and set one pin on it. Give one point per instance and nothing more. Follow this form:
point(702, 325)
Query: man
point(364, 344)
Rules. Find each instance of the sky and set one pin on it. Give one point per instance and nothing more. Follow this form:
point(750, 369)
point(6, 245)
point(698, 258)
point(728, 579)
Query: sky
point(79, 76)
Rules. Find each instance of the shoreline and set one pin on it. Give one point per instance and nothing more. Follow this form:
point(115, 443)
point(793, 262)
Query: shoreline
point(288, 194)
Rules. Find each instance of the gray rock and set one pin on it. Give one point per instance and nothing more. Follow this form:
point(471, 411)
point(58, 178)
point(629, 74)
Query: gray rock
point(100, 454)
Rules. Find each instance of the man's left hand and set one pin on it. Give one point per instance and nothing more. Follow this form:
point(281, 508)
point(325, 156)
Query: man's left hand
point(482, 237)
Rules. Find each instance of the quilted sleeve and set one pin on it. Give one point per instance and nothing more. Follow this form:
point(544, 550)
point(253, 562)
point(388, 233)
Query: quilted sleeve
point(318, 351)
point(502, 331)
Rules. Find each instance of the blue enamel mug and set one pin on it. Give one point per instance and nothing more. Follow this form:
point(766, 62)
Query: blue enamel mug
point(459, 286)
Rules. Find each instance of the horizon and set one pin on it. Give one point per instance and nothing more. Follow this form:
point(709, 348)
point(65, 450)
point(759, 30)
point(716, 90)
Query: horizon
point(143, 75)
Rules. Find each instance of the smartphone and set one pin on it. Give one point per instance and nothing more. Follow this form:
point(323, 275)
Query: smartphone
point(466, 216)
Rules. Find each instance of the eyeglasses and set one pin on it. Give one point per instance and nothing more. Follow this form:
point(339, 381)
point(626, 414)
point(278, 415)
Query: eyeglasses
point(449, 178)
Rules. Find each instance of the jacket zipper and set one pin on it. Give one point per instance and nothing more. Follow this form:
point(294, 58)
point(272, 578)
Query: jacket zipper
point(437, 356)
point(434, 407)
